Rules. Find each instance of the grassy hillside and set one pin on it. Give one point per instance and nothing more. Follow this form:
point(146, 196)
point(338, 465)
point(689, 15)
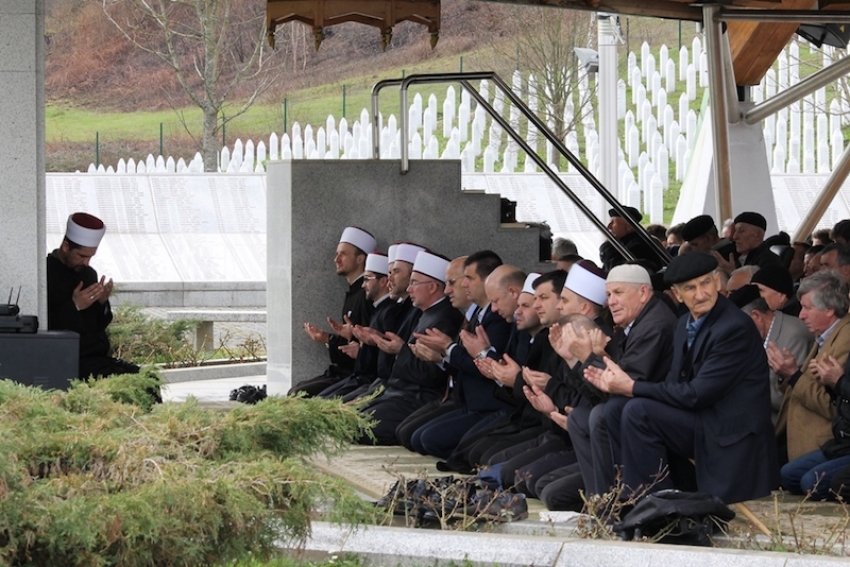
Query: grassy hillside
point(101, 88)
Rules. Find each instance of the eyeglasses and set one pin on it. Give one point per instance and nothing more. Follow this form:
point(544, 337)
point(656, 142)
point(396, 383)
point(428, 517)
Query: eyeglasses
point(370, 278)
point(414, 283)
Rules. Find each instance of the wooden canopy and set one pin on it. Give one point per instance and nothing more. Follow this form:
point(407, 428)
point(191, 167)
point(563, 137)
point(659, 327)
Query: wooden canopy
point(382, 14)
point(754, 45)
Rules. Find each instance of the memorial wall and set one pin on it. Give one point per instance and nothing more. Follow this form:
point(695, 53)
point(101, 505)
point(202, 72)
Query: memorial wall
point(168, 227)
point(179, 228)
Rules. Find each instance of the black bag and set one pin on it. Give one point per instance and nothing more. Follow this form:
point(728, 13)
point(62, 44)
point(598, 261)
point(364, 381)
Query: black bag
point(673, 516)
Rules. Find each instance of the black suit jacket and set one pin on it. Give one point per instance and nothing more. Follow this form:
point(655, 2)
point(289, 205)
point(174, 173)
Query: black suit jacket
point(723, 379)
point(359, 310)
point(371, 361)
point(761, 256)
point(411, 375)
point(477, 392)
point(647, 351)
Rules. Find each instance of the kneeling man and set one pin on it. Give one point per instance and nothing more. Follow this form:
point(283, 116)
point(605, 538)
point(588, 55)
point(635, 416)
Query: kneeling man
point(713, 406)
point(78, 301)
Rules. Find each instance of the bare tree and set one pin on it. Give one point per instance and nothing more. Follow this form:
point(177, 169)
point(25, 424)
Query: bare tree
point(213, 46)
point(544, 40)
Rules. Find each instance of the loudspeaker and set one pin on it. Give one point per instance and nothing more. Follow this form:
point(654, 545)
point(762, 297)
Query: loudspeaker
point(836, 35)
point(48, 359)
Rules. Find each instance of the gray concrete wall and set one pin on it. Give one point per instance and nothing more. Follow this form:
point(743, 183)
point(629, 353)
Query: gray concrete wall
point(22, 154)
point(190, 294)
point(310, 203)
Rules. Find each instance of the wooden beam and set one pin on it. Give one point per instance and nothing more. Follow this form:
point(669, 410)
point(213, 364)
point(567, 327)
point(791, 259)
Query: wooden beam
point(669, 9)
point(756, 45)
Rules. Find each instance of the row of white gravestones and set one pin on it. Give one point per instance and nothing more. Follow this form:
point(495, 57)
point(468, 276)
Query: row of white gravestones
point(807, 136)
point(655, 140)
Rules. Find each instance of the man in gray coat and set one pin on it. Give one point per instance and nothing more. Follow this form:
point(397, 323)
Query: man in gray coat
point(786, 332)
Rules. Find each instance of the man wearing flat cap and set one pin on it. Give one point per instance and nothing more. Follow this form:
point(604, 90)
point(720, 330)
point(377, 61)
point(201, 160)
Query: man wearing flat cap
point(624, 232)
point(777, 288)
point(701, 234)
point(713, 406)
point(750, 245)
point(78, 301)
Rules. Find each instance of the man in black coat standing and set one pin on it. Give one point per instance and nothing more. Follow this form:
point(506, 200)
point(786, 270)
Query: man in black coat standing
point(714, 405)
point(623, 231)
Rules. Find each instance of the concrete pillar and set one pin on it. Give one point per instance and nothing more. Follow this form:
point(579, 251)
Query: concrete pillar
point(22, 217)
point(747, 167)
point(607, 93)
point(280, 327)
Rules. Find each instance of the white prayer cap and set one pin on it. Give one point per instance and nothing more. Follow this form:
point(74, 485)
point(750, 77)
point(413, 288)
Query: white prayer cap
point(528, 286)
point(391, 253)
point(359, 238)
point(629, 273)
point(377, 263)
point(407, 252)
point(588, 281)
point(85, 229)
point(431, 265)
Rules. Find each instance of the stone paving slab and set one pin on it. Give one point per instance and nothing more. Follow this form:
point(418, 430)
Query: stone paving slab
point(371, 471)
point(400, 547)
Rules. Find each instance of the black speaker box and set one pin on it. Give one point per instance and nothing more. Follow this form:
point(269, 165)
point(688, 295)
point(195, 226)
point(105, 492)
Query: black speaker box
point(48, 359)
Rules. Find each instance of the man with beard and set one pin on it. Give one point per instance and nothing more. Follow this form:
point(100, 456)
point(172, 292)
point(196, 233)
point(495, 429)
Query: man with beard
point(349, 260)
point(78, 301)
point(369, 361)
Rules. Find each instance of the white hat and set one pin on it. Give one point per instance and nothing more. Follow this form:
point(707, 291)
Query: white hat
point(84, 229)
point(587, 284)
point(528, 286)
point(431, 265)
point(629, 273)
point(391, 253)
point(359, 238)
point(377, 263)
point(407, 252)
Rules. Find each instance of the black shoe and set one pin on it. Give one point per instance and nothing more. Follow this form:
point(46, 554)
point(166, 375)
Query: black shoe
point(503, 507)
point(448, 466)
point(403, 497)
point(454, 499)
point(248, 394)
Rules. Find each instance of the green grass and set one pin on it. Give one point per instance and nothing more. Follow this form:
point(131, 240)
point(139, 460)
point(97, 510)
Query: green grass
point(67, 123)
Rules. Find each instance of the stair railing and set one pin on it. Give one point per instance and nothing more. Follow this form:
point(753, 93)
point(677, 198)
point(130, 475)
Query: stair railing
point(464, 80)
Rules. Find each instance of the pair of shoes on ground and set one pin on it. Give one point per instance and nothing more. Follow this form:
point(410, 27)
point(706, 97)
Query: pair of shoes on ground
point(447, 498)
point(248, 394)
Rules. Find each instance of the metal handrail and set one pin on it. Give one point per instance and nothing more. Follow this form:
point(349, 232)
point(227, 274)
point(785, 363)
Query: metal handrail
point(463, 79)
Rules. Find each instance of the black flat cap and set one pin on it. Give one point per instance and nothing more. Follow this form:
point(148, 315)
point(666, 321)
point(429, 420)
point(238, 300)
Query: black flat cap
point(744, 295)
point(691, 265)
point(697, 226)
point(633, 212)
point(776, 278)
point(752, 218)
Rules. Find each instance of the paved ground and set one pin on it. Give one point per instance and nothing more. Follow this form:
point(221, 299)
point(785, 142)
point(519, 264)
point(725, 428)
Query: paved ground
point(807, 526)
point(371, 470)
